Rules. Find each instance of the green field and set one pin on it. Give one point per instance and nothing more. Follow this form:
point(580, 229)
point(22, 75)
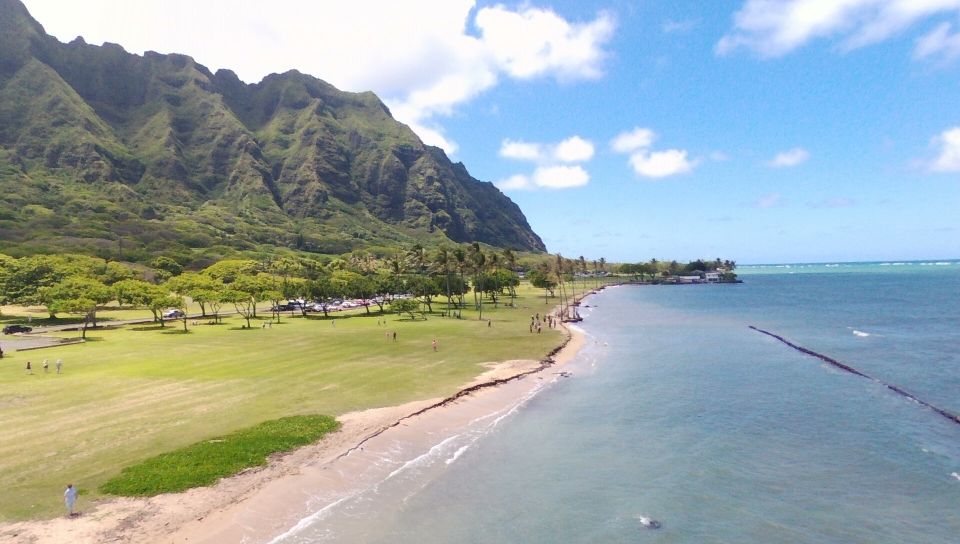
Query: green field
point(132, 393)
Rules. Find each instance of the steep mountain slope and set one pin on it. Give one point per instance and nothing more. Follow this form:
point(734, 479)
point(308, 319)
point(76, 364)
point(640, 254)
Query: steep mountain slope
point(98, 146)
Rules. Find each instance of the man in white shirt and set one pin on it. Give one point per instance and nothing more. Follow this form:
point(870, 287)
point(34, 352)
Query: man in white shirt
point(70, 498)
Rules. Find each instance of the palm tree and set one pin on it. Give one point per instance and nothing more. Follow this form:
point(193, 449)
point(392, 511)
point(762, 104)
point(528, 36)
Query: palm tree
point(511, 261)
point(479, 262)
point(461, 259)
point(443, 259)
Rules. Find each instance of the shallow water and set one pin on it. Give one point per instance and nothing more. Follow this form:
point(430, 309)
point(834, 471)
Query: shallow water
point(679, 412)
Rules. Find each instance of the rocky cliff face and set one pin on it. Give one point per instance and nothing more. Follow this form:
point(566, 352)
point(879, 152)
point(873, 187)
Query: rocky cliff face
point(97, 144)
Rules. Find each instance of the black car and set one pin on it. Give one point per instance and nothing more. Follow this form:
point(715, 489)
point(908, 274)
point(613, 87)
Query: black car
point(11, 329)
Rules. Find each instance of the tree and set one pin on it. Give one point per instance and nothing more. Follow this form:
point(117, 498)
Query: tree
point(241, 300)
point(166, 268)
point(74, 294)
point(362, 287)
point(229, 270)
point(442, 260)
point(540, 278)
point(425, 287)
point(405, 306)
point(212, 298)
point(77, 295)
point(510, 260)
point(189, 284)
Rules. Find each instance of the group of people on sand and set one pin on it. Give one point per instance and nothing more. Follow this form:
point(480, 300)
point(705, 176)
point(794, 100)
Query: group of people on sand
point(46, 367)
point(536, 324)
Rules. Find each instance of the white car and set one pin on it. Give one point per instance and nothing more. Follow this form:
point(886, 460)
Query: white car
point(173, 314)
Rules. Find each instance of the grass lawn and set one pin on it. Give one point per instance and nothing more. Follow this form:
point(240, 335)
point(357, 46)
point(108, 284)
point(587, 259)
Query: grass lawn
point(133, 393)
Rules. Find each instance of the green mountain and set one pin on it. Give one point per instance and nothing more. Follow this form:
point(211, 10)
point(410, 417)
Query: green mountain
point(107, 152)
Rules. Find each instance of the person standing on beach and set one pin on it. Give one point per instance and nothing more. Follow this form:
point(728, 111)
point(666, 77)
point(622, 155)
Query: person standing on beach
point(59, 365)
point(70, 498)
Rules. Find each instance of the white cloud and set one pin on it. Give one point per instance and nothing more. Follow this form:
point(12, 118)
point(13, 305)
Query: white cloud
point(939, 42)
point(949, 157)
point(520, 150)
point(632, 140)
point(786, 159)
point(773, 29)
point(560, 177)
point(659, 164)
point(573, 149)
point(533, 42)
point(518, 182)
point(646, 162)
point(424, 58)
point(554, 170)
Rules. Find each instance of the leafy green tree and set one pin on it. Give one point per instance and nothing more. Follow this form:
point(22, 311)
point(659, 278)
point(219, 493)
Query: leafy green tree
point(322, 290)
point(132, 292)
point(361, 287)
point(241, 300)
point(424, 287)
point(211, 297)
point(407, 306)
point(191, 283)
point(166, 268)
point(541, 279)
point(386, 287)
point(77, 295)
point(229, 270)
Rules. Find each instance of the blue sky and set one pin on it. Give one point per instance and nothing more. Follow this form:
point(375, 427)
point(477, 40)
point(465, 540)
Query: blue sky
point(783, 131)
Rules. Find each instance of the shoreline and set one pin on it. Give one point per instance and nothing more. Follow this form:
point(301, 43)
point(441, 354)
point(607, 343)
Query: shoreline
point(222, 512)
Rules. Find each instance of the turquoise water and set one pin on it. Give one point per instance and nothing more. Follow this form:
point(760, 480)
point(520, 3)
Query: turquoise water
point(678, 411)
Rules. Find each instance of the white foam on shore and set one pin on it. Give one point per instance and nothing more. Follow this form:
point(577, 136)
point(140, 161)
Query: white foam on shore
point(861, 334)
point(476, 429)
point(955, 475)
point(458, 453)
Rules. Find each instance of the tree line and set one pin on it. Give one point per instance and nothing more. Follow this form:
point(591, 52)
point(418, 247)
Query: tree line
point(82, 285)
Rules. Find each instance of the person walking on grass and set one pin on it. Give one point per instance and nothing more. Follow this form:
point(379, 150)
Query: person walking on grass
point(46, 367)
point(59, 365)
point(29, 368)
point(70, 498)
point(434, 344)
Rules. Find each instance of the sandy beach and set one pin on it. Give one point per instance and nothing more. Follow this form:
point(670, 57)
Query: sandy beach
point(260, 503)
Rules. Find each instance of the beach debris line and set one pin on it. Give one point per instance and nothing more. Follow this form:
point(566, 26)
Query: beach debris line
point(847, 368)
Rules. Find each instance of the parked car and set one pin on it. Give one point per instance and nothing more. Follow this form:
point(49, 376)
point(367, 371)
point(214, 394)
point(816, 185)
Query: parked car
point(13, 329)
point(173, 314)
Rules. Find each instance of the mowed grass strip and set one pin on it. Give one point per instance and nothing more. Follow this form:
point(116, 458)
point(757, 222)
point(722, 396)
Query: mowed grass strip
point(206, 462)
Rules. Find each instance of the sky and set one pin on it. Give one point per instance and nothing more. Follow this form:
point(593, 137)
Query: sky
point(756, 130)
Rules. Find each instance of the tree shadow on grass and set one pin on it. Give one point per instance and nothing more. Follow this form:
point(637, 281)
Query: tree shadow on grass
point(176, 331)
point(149, 328)
point(243, 329)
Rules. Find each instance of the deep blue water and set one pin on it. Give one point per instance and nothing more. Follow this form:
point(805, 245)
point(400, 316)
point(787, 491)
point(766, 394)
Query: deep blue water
point(678, 411)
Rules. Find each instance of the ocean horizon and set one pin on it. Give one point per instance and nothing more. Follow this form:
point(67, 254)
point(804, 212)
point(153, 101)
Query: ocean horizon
point(677, 411)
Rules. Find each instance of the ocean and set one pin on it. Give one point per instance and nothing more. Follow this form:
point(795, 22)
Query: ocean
point(679, 412)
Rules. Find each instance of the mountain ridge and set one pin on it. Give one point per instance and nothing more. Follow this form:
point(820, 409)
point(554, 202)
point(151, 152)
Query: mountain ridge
point(289, 161)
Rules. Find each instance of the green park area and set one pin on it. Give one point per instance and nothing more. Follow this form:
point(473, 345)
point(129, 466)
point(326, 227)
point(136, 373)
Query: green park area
point(131, 393)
